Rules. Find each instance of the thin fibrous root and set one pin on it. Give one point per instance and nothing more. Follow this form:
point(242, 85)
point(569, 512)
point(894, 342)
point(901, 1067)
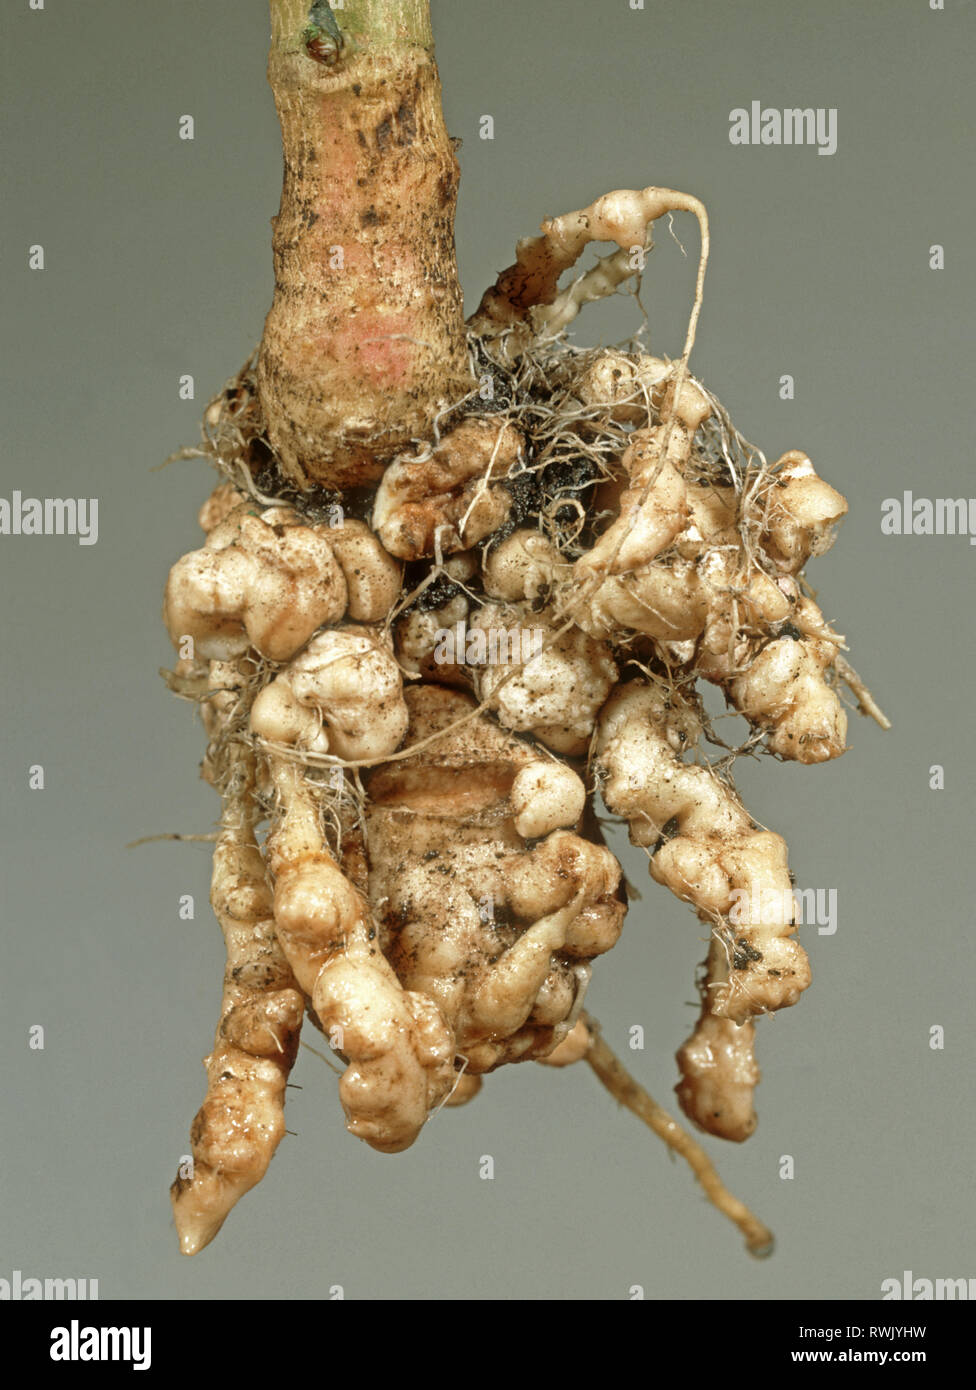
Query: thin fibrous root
point(622, 1086)
point(866, 701)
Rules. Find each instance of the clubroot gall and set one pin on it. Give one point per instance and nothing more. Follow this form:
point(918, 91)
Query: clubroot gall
point(409, 855)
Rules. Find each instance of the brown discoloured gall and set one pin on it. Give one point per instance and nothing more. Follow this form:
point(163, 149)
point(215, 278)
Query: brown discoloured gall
point(497, 930)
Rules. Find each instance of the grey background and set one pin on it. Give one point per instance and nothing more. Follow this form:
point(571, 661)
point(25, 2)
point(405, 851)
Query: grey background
point(158, 263)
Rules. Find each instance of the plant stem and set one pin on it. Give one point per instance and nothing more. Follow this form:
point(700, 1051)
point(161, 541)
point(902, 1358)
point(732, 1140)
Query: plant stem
point(380, 24)
point(365, 339)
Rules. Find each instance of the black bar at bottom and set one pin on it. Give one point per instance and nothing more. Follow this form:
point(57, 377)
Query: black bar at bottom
point(187, 1338)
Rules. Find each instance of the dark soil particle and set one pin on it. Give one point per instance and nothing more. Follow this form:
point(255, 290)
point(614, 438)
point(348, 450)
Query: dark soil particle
point(744, 954)
point(436, 595)
point(668, 831)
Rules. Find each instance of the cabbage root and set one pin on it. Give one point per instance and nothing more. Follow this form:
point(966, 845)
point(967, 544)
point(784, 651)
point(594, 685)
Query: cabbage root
point(457, 581)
